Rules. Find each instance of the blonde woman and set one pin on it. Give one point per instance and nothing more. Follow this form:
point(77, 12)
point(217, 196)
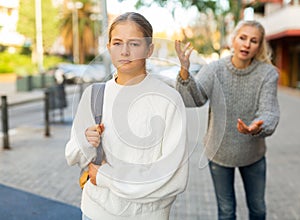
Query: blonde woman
point(244, 110)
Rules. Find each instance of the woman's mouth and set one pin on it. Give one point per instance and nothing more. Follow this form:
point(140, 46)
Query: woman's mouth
point(244, 52)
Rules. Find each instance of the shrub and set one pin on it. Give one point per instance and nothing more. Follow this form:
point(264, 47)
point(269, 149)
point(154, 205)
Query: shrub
point(22, 64)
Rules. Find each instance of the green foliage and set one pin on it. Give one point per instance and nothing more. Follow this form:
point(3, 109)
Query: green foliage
point(202, 42)
point(26, 23)
point(202, 6)
point(51, 61)
point(22, 65)
point(10, 63)
point(202, 45)
point(50, 23)
point(89, 29)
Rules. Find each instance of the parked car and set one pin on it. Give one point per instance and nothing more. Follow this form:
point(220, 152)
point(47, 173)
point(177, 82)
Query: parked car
point(168, 71)
point(79, 73)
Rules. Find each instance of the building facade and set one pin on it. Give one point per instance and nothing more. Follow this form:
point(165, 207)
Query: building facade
point(281, 19)
point(9, 15)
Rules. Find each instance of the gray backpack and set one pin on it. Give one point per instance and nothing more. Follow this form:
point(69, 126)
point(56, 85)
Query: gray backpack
point(96, 106)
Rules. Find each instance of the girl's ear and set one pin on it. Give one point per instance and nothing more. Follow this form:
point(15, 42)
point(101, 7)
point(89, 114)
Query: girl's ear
point(150, 50)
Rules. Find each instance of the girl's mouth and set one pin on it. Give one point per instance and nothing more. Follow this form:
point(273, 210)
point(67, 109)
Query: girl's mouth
point(124, 61)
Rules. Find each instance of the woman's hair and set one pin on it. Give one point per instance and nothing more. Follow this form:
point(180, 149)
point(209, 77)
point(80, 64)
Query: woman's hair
point(143, 24)
point(264, 53)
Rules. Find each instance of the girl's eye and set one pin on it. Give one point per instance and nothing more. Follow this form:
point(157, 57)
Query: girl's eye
point(134, 44)
point(116, 44)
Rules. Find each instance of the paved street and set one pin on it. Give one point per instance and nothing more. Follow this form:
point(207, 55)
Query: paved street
point(36, 164)
point(283, 181)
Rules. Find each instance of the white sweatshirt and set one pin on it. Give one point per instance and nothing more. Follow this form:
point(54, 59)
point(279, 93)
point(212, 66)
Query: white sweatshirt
point(145, 144)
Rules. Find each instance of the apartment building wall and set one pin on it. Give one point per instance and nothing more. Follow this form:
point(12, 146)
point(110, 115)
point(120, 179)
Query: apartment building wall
point(281, 21)
point(9, 15)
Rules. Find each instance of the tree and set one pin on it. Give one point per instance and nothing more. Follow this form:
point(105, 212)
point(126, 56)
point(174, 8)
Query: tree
point(26, 23)
point(214, 37)
point(88, 32)
point(203, 6)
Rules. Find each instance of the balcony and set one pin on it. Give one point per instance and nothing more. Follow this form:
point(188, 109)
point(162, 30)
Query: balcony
point(282, 23)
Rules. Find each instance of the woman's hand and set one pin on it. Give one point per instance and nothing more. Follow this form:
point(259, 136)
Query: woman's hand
point(93, 134)
point(252, 129)
point(93, 169)
point(184, 58)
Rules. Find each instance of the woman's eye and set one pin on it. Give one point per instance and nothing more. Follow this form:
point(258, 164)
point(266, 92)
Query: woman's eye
point(242, 37)
point(254, 41)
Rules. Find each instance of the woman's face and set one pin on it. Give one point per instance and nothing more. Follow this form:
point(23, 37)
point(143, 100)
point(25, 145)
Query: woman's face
point(246, 43)
point(128, 48)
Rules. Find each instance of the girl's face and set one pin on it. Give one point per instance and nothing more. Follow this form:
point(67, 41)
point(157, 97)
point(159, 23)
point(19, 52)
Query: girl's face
point(128, 49)
point(246, 43)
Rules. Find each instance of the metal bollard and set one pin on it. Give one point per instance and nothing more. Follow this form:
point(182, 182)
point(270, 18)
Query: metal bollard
point(5, 122)
point(47, 109)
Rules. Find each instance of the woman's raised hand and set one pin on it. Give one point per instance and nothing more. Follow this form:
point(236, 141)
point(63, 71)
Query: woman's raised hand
point(184, 57)
point(93, 134)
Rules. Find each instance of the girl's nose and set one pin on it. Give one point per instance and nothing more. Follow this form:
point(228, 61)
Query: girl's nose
point(125, 50)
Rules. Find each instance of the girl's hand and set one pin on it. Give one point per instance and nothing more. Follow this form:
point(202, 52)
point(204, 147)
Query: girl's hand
point(184, 58)
point(93, 169)
point(252, 129)
point(93, 134)
point(103, 162)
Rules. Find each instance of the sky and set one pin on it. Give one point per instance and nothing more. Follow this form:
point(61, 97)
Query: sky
point(160, 18)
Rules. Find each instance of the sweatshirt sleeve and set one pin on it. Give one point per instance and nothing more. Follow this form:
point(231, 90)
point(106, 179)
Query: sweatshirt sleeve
point(195, 91)
point(162, 179)
point(78, 150)
point(268, 107)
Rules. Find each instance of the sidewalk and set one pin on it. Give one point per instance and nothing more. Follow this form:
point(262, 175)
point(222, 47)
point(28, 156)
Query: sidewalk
point(14, 97)
point(36, 165)
point(34, 177)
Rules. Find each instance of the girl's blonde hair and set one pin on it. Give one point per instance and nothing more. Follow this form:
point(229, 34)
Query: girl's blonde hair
point(143, 24)
point(264, 53)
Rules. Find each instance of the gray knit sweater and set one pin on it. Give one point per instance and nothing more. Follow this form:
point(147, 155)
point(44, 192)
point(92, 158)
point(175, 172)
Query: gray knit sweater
point(249, 94)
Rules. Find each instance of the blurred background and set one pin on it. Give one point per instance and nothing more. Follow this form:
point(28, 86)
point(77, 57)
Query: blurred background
point(40, 37)
point(51, 49)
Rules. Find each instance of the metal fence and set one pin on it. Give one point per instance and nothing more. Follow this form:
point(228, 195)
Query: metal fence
point(54, 98)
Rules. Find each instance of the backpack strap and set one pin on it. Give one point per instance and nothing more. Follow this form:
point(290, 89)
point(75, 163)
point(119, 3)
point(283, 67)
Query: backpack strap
point(97, 108)
point(97, 101)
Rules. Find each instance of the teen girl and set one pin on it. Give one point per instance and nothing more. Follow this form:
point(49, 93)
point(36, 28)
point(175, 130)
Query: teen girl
point(143, 134)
